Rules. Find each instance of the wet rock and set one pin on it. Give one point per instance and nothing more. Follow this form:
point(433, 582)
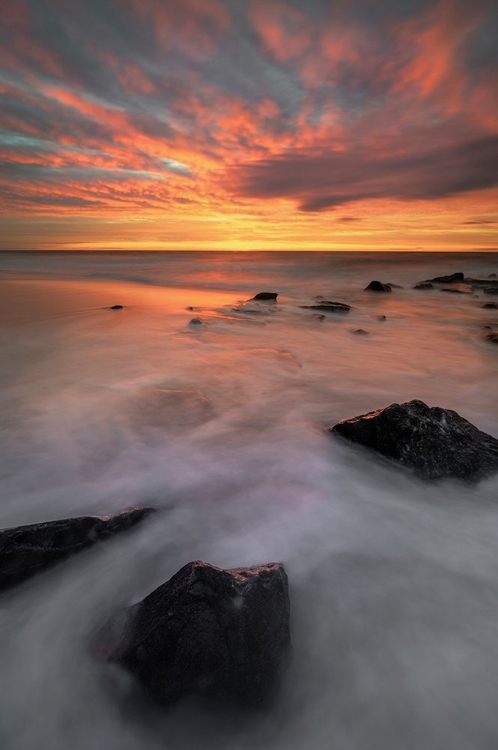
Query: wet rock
point(196, 322)
point(433, 442)
point(490, 305)
point(361, 332)
point(266, 296)
point(452, 278)
point(491, 290)
point(424, 285)
point(27, 550)
point(117, 307)
point(326, 306)
point(377, 286)
point(221, 633)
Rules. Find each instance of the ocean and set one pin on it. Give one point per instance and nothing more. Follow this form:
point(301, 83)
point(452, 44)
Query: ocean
point(220, 424)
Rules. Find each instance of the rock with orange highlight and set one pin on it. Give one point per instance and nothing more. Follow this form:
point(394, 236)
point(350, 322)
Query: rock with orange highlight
point(221, 633)
point(433, 442)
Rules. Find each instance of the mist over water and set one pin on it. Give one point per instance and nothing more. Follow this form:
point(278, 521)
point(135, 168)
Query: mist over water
point(394, 582)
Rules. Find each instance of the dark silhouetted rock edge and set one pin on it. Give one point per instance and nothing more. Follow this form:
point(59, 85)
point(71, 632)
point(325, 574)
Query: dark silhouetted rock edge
point(28, 550)
point(218, 633)
point(432, 442)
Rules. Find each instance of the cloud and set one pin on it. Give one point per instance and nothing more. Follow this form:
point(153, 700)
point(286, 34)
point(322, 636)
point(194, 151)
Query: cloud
point(319, 182)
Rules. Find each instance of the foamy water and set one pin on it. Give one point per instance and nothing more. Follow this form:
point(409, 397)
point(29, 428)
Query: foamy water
point(394, 585)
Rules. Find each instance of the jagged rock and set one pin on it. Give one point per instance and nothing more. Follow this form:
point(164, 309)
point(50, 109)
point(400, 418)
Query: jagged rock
point(424, 285)
point(326, 306)
point(493, 337)
point(27, 550)
point(377, 286)
point(223, 633)
point(491, 290)
point(450, 279)
point(117, 307)
point(433, 442)
point(265, 296)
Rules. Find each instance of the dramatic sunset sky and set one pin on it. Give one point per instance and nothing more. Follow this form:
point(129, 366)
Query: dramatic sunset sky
point(249, 124)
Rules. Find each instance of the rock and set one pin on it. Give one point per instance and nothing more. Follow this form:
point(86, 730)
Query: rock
point(491, 290)
point(493, 337)
point(266, 296)
point(433, 442)
point(424, 285)
point(377, 286)
point(196, 322)
point(457, 290)
point(451, 279)
point(326, 306)
point(361, 332)
point(222, 633)
point(27, 550)
point(117, 307)
point(490, 305)
point(492, 276)
point(381, 317)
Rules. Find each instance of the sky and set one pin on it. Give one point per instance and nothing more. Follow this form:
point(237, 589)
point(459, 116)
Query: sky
point(249, 125)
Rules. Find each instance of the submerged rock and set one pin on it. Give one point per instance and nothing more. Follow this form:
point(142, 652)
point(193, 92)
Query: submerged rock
point(27, 550)
point(223, 633)
point(326, 306)
point(450, 279)
point(433, 442)
point(493, 337)
point(117, 307)
point(196, 322)
point(361, 332)
point(490, 305)
point(377, 286)
point(492, 276)
point(424, 285)
point(265, 296)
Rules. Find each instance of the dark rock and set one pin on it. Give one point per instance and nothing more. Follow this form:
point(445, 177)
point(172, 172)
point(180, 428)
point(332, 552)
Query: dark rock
point(117, 307)
point(491, 290)
point(222, 633)
point(326, 306)
point(490, 305)
point(27, 550)
point(424, 285)
point(492, 276)
point(433, 442)
point(189, 308)
point(361, 332)
point(196, 322)
point(451, 279)
point(266, 296)
point(377, 286)
point(493, 337)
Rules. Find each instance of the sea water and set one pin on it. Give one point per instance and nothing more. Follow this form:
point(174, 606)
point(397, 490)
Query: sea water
point(221, 426)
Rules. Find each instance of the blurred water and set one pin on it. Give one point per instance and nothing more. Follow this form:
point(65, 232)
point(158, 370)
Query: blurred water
point(394, 584)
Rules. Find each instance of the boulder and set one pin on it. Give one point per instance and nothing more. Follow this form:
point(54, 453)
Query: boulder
point(219, 633)
point(265, 296)
point(424, 285)
point(452, 278)
point(377, 286)
point(27, 550)
point(326, 306)
point(433, 442)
